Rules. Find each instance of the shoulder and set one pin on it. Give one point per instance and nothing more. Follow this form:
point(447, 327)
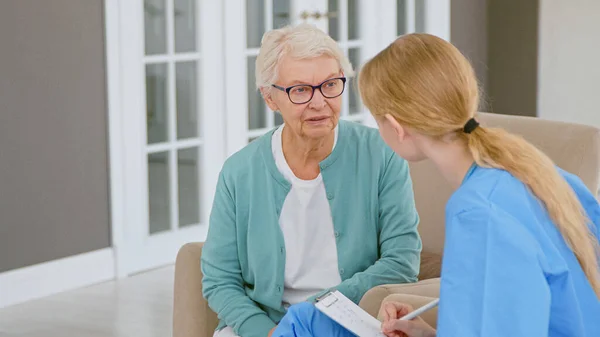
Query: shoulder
point(361, 134)
point(489, 224)
point(242, 162)
point(366, 142)
point(479, 191)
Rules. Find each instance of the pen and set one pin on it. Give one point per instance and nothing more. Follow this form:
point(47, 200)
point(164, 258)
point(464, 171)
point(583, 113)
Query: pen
point(421, 310)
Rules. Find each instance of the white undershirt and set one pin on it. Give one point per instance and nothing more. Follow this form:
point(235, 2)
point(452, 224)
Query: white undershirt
point(311, 263)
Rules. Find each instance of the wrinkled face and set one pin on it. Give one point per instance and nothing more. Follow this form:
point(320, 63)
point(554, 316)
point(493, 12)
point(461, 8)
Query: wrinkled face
point(319, 116)
point(399, 139)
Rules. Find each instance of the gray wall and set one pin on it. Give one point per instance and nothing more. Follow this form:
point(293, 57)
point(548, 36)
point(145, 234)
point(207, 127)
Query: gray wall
point(513, 56)
point(533, 57)
point(468, 32)
point(500, 37)
point(53, 131)
point(569, 71)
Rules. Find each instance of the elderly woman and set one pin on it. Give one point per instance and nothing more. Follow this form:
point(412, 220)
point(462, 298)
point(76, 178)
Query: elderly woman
point(316, 204)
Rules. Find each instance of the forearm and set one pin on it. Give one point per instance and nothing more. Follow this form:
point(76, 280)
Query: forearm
point(239, 311)
point(387, 270)
point(397, 265)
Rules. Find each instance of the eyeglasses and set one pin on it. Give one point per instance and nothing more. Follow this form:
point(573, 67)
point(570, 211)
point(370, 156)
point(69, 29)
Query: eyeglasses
point(303, 93)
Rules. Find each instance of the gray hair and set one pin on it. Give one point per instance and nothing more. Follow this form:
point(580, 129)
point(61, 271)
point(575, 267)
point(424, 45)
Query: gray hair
point(302, 41)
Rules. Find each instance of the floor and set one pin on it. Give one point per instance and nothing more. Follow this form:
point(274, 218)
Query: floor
point(138, 306)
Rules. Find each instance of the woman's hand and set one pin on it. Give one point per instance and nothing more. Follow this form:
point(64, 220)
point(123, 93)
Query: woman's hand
point(393, 327)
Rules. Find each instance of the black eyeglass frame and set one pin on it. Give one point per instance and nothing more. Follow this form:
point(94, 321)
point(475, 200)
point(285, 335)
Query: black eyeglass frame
point(314, 87)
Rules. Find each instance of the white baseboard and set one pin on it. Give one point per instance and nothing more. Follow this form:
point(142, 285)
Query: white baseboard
point(44, 279)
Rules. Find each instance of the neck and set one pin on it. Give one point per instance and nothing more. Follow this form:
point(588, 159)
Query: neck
point(452, 159)
point(303, 151)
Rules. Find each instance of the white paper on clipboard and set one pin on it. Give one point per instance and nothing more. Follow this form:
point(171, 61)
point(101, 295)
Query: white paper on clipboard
point(349, 315)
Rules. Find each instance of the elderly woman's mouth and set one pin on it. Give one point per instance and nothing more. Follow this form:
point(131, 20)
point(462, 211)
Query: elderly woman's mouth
point(317, 120)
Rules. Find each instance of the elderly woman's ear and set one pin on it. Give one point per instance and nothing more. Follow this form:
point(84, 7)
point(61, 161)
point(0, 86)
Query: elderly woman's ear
point(266, 94)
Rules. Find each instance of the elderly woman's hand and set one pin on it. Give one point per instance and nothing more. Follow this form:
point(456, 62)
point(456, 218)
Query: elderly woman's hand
point(390, 312)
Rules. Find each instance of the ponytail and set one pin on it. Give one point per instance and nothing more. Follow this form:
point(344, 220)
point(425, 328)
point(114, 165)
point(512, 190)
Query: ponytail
point(499, 149)
point(426, 84)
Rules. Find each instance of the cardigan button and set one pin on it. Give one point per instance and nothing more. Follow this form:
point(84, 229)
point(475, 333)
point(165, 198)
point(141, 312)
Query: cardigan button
point(329, 195)
point(342, 271)
point(337, 234)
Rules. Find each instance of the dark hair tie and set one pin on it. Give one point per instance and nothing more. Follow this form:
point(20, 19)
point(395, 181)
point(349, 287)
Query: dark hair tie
point(471, 125)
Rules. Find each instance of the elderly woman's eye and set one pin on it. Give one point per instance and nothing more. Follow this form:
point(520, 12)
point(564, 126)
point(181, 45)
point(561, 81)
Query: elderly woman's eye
point(331, 84)
point(299, 90)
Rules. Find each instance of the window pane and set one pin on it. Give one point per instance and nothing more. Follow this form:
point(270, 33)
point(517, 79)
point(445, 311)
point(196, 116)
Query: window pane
point(354, 97)
point(281, 13)
point(255, 22)
point(185, 26)
point(189, 189)
point(159, 205)
point(401, 17)
point(256, 105)
point(156, 103)
point(187, 100)
point(334, 21)
point(155, 27)
point(420, 16)
point(353, 20)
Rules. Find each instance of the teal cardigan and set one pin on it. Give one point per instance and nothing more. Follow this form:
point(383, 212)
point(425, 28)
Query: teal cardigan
point(375, 221)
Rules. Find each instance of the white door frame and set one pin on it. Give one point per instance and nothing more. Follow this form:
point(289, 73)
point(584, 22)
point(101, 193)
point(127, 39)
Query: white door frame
point(127, 134)
point(116, 139)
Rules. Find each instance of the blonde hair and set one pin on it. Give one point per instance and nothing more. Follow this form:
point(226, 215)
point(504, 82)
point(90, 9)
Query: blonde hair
point(425, 83)
point(303, 41)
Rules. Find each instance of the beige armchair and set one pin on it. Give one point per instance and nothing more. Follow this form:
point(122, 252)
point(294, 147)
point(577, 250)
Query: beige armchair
point(575, 148)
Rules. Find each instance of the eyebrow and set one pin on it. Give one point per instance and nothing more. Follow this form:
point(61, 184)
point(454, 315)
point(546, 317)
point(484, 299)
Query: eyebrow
point(330, 76)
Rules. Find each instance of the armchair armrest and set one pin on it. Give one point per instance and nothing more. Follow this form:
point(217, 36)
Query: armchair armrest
point(415, 294)
point(192, 317)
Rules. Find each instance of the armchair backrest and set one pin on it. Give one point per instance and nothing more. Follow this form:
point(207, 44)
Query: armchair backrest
point(573, 147)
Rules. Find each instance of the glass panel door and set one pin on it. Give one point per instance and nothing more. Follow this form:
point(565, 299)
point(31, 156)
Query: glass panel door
point(344, 25)
point(261, 16)
point(423, 16)
point(410, 16)
point(173, 116)
point(174, 132)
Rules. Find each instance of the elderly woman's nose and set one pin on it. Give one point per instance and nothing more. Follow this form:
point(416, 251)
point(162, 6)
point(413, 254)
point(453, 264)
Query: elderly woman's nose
point(318, 100)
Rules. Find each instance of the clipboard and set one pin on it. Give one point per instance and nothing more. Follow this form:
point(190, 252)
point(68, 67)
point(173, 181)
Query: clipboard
point(349, 315)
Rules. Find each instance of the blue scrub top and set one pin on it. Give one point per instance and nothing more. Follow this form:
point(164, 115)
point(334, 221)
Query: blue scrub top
point(506, 269)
